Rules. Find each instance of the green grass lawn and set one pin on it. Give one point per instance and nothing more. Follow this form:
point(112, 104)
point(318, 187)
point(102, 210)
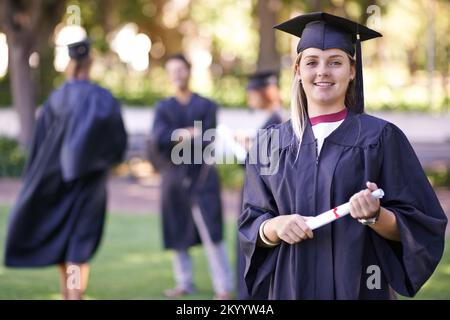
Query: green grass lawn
point(131, 264)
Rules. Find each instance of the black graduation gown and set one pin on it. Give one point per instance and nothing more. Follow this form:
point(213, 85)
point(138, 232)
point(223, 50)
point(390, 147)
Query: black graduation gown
point(185, 184)
point(59, 213)
point(274, 119)
point(242, 293)
point(334, 264)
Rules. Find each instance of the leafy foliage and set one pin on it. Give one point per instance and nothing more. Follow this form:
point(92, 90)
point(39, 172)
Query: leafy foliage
point(12, 158)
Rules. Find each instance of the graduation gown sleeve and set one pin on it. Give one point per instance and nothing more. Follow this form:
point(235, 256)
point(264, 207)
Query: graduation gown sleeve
point(421, 221)
point(258, 206)
point(163, 127)
point(209, 121)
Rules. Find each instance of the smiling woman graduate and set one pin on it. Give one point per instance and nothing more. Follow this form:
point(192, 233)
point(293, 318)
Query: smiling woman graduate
point(329, 153)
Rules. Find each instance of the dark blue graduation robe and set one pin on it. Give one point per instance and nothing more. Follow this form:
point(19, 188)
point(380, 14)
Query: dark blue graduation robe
point(262, 293)
point(334, 264)
point(185, 184)
point(59, 214)
point(274, 119)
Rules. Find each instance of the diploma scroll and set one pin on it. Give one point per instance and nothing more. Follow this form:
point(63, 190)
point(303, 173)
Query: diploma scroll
point(336, 213)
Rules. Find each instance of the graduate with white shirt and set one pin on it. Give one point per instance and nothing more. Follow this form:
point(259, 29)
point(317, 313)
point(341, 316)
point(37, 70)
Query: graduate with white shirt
point(330, 153)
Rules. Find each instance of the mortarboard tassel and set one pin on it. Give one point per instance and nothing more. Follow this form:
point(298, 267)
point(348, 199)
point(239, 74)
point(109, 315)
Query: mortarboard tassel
point(359, 77)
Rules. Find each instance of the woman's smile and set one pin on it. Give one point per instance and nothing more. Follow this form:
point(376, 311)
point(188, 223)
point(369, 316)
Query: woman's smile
point(323, 84)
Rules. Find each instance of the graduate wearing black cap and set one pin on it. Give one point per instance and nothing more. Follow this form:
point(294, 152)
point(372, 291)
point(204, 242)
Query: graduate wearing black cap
point(263, 93)
point(59, 215)
point(331, 152)
point(79, 50)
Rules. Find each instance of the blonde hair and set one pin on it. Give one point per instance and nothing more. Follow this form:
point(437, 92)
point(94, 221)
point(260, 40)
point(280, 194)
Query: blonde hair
point(299, 102)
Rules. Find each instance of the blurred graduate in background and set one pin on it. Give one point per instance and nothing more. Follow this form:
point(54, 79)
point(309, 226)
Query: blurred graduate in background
point(59, 214)
point(263, 94)
point(191, 205)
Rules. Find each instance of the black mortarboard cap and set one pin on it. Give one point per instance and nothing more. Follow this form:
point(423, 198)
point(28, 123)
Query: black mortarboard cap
point(262, 79)
point(325, 31)
point(79, 50)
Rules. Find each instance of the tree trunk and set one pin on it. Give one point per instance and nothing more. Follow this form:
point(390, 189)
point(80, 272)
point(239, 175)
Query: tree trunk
point(268, 56)
point(25, 26)
point(22, 87)
point(20, 27)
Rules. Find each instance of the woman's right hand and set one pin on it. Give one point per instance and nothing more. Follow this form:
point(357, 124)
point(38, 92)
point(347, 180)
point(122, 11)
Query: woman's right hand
point(290, 228)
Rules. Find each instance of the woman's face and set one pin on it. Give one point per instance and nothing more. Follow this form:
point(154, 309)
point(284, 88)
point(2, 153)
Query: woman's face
point(325, 76)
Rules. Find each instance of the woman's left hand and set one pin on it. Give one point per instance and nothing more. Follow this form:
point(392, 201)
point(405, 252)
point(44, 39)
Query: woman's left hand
point(363, 205)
